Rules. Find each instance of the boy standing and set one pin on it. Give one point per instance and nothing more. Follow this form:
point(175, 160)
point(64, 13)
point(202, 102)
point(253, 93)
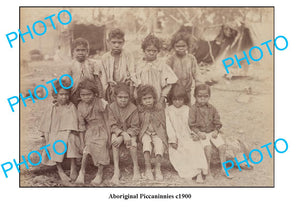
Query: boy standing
point(82, 68)
point(204, 120)
point(116, 65)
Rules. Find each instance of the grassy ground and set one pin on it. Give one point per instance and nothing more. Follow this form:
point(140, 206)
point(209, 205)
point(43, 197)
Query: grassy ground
point(247, 117)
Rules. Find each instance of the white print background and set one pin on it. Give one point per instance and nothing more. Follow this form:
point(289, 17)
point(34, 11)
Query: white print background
point(280, 198)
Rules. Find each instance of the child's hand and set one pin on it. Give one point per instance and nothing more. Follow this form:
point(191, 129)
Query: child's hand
point(117, 141)
point(174, 145)
point(127, 139)
point(161, 103)
point(201, 135)
point(111, 83)
point(214, 134)
point(195, 137)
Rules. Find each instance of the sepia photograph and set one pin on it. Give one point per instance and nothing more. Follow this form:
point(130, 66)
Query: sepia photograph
point(146, 96)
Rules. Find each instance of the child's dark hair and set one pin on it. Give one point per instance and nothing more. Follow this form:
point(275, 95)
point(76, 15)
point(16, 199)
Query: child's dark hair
point(151, 40)
point(180, 36)
point(120, 86)
point(145, 90)
point(89, 85)
point(80, 41)
point(178, 91)
point(202, 87)
point(58, 86)
point(116, 33)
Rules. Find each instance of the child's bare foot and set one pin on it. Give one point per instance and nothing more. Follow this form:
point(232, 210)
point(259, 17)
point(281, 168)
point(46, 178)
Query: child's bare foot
point(73, 174)
point(63, 176)
point(199, 179)
point(158, 175)
point(97, 180)
point(80, 178)
point(148, 174)
point(136, 174)
point(205, 171)
point(116, 178)
point(209, 177)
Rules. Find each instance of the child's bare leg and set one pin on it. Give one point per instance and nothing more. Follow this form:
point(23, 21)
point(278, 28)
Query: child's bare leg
point(80, 178)
point(73, 172)
point(222, 155)
point(61, 173)
point(148, 172)
point(136, 169)
point(116, 176)
point(207, 151)
point(199, 178)
point(98, 179)
point(158, 174)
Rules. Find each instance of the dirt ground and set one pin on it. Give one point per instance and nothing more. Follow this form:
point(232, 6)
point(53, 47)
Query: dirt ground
point(248, 117)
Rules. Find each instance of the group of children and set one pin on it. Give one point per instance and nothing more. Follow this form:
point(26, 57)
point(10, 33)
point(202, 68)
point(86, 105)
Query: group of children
point(119, 102)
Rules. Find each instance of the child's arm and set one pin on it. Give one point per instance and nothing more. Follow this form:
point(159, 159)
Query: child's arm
point(45, 135)
point(195, 71)
point(134, 128)
point(113, 123)
point(103, 76)
point(168, 77)
point(171, 132)
point(193, 123)
point(82, 141)
point(192, 120)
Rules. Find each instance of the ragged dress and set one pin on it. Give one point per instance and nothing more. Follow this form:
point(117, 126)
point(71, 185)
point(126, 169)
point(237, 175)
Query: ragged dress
point(60, 122)
point(93, 120)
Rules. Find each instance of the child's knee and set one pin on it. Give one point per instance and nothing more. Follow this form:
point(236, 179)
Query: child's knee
point(208, 147)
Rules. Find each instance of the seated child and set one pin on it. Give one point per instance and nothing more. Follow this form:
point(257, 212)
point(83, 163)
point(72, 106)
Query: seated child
point(116, 65)
point(153, 71)
point(153, 129)
point(60, 122)
point(185, 151)
point(83, 68)
point(204, 120)
point(183, 63)
point(94, 129)
point(124, 124)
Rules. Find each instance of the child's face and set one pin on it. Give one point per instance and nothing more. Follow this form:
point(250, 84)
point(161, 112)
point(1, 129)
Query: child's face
point(202, 97)
point(87, 96)
point(122, 99)
point(63, 96)
point(116, 45)
point(151, 53)
point(181, 48)
point(80, 53)
point(148, 100)
point(178, 102)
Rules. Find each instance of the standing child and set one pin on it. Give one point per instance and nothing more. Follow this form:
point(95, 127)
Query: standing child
point(116, 65)
point(204, 120)
point(124, 124)
point(94, 129)
point(184, 64)
point(153, 129)
point(153, 71)
point(185, 151)
point(83, 68)
point(60, 122)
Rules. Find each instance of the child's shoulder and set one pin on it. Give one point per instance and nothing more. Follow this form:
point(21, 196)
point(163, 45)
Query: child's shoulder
point(194, 106)
point(209, 105)
point(191, 56)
